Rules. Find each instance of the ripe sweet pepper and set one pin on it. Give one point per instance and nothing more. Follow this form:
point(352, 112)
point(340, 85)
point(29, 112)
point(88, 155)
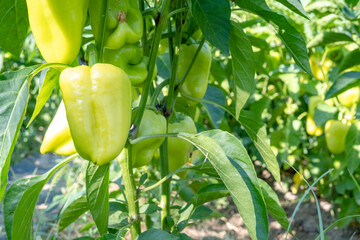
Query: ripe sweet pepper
point(179, 149)
point(335, 135)
point(57, 138)
point(349, 97)
point(311, 127)
point(124, 22)
point(143, 151)
point(195, 84)
point(319, 70)
point(57, 27)
point(129, 58)
point(98, 109)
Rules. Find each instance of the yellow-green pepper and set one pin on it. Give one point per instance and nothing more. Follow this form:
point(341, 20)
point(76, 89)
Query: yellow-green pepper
point(195, 84)
point(335, 135)
point(143, 151)
point(124, 22)
point(57, 138)
point(98, 109)
point(349, 97)
point(179, 149)
point(311, 127)
point(130, 58)
point(57, 27)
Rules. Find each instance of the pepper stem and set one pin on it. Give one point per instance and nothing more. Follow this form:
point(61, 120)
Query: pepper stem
point(130, 193)
point(165, 186)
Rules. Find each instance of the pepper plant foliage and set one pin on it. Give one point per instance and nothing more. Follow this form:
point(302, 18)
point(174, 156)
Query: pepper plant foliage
point(220, 156)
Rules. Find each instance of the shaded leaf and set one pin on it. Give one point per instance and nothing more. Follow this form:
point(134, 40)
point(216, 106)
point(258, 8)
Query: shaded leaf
point(243, 66)
point(213, 17)
point(97, 194)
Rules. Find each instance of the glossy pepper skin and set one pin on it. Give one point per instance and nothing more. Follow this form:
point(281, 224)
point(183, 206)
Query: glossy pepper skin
point(179, 149)
point(98, 109)
point(143, 151)
point(335, 135)
point(124, 22)
point(129, 58)
point(195, 84)
point(58, 138)
point(57, 27)
point(349, 97)
point(311, 127)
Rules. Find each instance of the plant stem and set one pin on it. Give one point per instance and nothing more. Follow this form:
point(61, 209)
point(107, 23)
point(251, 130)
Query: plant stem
point(157, 91)
point(165, 186)
point(152, 61)
point(100, 44)
point(144, 40)
point(170, 100)
point(128, 179)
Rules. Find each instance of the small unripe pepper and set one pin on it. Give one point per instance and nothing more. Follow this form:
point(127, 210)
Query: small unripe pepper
point(57, 138)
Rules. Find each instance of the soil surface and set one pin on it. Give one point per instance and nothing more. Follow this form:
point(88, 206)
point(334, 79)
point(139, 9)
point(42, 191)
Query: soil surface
point(230, 227)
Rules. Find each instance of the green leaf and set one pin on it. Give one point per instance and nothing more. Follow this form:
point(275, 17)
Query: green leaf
point(256, 130)
point(50, 81)
point(20, 200)
point(295, 6)
point(72, 210)
point(343, 82)
point(213, 17)
point(327, 38)
point(243, 66)
point(156, 234)
point(292, 39)
point(350, 60)
point(14, 25)
point(14, 93)
point(163, 65)
point(216, 113)
point(209, 193)
point(97, 194)
point(352, 152)
point(273, 204)
point(323, 112)
point(230, 159)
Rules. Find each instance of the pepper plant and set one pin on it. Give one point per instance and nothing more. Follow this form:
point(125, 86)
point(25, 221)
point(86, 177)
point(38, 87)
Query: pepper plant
point(160, 78)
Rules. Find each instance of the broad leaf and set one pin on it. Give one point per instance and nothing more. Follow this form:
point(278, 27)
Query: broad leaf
point(216, 113)
point(292, 39)
point(273, 204)
point(230, 159)
point(156, 234)
point(20, 201)
point(209, 193)
point(256, 130)
point(72, 210)
point(352, 151)
point(351, 59)
point(14, 25)
point(14, 93)
point(327, 38)
point(343, 82)
point(295, 6)
point(97, 194)
point(50, 81)
point(243, 66)
point(213, 17)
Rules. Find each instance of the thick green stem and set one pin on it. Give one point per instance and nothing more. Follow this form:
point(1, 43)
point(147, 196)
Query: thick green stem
point(130, 193)
point(100, 44)
point(152, 61)
point(144, 40)
point(170, 101)
point(165, 186)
